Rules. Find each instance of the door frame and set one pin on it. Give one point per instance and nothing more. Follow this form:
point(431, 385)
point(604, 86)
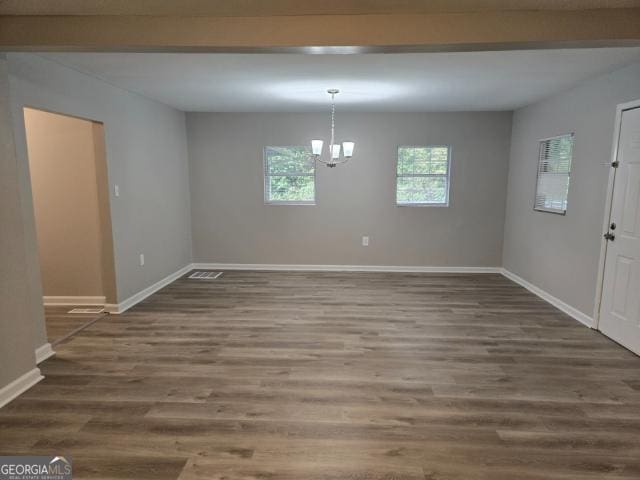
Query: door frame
point(107, 248)
point(620, 109)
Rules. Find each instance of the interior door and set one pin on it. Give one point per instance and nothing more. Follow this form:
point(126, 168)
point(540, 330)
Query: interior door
point(620, 307)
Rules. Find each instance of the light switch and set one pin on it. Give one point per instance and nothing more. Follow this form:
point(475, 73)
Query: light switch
point(116, 190)
point(141, 259)
point(365, 241)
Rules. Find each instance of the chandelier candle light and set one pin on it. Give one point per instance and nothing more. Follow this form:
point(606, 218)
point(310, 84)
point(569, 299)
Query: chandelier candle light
point(334, 157)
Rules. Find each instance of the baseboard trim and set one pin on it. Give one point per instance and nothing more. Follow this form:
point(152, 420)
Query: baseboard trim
point(342, 268)
point(68, 301)
point(19, 386)
point(43, 352)
point(546, 296)
point(118, 308)
point(140, 296)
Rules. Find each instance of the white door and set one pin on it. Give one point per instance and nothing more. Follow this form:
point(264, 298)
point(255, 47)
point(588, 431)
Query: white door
point(620, 307)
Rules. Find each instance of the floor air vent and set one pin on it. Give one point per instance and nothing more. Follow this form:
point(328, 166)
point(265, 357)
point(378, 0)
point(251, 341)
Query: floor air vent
point(204, 275)
point(87, 310)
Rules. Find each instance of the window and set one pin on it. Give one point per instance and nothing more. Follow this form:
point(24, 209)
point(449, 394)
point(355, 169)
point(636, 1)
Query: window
point(422, 176)
point(289, 176)
point(554, 168)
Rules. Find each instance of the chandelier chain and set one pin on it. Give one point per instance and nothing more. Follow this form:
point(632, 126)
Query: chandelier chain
point(333, 122)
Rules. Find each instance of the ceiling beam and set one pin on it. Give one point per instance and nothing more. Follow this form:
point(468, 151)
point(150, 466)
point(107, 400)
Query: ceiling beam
point(261, 8)
point(397, 32)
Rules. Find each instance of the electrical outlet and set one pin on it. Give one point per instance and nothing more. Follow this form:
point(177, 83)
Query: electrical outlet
point(365, 241)
point(142, 259)
point(116, 190)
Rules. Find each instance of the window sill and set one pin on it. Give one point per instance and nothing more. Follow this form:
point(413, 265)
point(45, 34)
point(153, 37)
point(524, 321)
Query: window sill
point(549, 210)
point(437, 205)
point(293, 204)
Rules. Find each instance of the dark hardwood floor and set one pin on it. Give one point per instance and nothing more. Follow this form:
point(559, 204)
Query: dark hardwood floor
point(62, 325)
point(317, 376)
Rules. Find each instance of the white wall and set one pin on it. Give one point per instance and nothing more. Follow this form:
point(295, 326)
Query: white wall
point(231, 223)
point(17, 326)
point(146, 155)
point(560, 254)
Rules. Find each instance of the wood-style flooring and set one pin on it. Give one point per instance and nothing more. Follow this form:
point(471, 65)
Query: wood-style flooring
point(61, 324)
point(350, 376)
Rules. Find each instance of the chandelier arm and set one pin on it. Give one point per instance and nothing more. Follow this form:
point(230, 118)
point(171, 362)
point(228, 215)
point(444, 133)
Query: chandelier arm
point(340, 160)
point(332, 161)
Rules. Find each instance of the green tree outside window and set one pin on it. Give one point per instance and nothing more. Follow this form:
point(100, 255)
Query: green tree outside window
point(289, 175)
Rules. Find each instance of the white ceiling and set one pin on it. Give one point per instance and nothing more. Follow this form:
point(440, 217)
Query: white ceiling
point(368, 82)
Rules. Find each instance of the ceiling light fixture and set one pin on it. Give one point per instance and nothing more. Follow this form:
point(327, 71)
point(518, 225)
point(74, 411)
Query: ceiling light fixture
point(335, 156)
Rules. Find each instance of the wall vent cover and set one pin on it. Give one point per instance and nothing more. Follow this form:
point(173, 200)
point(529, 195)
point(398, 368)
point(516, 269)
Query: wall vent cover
point(87, 310)
point(205, 275)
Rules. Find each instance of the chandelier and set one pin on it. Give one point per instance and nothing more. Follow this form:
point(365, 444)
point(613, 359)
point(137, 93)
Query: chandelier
point(334, 155)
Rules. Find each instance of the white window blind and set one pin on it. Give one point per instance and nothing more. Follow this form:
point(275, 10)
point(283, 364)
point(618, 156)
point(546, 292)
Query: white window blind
point(289, 176)
point(554, 169)
point(422, 175)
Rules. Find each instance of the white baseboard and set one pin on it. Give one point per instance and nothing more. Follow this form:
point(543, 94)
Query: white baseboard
point(138, 297)
point(546, 296)
point(342, 268)
point(43, 352)
point(19, 385)
point(556, 302)
point(122, 307)
point(68, 301)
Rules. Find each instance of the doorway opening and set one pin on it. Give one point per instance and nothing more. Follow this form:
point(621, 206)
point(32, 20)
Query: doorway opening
point(69, 184)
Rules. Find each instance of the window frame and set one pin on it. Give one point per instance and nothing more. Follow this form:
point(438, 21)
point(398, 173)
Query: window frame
point(447, 202)
point(535, 189)
point(266, 176)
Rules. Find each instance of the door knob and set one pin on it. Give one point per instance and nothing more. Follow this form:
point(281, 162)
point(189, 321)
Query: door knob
point(610, 236)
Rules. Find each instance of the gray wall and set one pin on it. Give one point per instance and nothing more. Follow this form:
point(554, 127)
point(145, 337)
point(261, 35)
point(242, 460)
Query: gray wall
point(231, 224)
point(560, 253)
point(16, 324)
point(147, 157)
point(62, 163)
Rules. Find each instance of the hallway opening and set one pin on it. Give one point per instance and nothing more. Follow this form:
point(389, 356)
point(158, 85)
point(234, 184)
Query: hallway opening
point(69, 184)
